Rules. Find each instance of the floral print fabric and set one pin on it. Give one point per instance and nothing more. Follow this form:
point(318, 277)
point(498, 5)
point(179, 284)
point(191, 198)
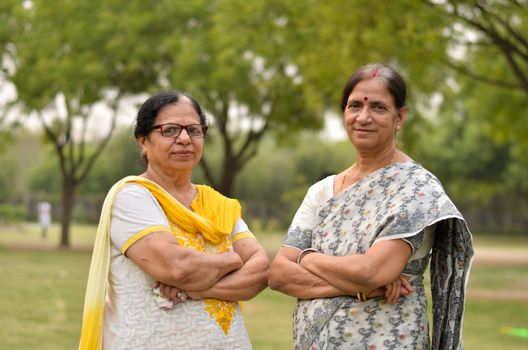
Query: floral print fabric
point(404, 201)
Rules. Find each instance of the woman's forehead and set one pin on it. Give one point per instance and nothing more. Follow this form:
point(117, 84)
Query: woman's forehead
point(181, 110)
point(370, 89)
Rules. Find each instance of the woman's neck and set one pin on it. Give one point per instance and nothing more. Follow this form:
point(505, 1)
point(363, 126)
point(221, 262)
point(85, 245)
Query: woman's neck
point(369, 162)
point(178, 184)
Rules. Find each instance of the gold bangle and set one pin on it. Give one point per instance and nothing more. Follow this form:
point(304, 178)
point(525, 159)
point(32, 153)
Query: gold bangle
point(362, 296)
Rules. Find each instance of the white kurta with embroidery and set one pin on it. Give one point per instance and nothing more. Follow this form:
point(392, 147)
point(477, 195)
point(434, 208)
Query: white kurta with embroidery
point(133, 318)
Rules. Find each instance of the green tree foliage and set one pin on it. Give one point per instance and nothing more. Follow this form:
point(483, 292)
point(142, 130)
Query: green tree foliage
point(17, 162)
point(497, 31)
point(18, 159)
point(275, 183)
point(433, 43)
point(487, 179)
point(69, 58)
point(8, 19)
point(469, 54)
point(489, 55)
point(121, 158)
point(231, 56)
point(270, 68)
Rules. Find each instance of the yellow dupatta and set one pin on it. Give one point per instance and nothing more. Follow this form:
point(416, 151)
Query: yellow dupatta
point(217, 219)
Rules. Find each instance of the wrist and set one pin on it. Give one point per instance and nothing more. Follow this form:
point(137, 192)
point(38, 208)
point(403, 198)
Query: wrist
point(196, 295)
point(378, 292)
point(304, 253)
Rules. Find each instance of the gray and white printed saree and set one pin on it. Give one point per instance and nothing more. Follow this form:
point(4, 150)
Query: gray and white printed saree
point(399, 201)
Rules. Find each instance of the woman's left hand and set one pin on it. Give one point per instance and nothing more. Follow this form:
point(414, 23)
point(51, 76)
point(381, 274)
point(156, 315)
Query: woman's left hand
point(174, 294)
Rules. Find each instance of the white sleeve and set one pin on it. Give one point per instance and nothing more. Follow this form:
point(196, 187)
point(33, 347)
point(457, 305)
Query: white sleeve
point(317, 195)
point(240, 227)
point(135, 210)
point(300, 231)
point(241, 230)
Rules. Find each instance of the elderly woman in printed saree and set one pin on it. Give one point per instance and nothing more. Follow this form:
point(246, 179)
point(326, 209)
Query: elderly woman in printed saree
point(171, 258)
point(361, 233)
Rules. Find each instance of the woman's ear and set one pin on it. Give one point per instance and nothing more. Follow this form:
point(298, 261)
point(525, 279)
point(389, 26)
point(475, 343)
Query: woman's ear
point(142, 145)
point(401, 118)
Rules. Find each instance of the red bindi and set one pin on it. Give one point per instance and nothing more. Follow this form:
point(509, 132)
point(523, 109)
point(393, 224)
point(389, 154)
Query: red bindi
point(365, 98)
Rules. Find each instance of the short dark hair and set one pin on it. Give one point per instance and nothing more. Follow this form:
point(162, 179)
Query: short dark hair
point(151, 107)
point(387, 75)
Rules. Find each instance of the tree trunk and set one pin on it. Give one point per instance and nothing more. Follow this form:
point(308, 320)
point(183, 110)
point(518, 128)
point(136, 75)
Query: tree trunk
point(68, 191)
point(227, 181)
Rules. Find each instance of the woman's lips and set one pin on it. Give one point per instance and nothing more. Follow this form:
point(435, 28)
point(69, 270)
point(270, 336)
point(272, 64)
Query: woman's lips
point(363, 131)
point(183, 153)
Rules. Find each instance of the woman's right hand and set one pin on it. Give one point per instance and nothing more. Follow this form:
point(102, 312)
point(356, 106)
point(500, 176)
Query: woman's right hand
point(394, 290)
point(398, 288)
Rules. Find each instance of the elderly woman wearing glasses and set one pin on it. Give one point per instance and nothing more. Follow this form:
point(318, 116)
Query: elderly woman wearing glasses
point(171, 258)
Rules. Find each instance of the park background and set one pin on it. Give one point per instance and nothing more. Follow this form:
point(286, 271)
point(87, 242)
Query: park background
point(269, 74)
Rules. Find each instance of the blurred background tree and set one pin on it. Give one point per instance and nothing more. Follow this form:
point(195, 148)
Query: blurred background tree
point(70, 67)
point(265, 71)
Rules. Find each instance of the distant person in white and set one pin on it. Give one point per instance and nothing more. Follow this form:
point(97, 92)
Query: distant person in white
point(44, 216)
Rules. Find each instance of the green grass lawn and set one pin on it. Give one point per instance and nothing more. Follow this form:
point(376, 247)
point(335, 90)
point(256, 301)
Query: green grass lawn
point(499, 277)
point(484, 319)
point(42, 295)
point(41, 298)
point(498, 241)
point(29, 233)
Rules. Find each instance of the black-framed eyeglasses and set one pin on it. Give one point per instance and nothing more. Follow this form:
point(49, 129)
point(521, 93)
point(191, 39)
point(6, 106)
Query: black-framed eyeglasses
point(174, 130)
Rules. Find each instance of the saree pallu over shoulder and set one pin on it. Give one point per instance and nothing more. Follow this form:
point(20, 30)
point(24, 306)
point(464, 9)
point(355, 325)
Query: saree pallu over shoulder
point(450, 264)
point(214, 219)
point(396, 202)
point(422, 203)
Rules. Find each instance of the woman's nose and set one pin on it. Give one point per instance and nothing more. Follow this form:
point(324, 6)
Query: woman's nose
point(183, 137)
point(363, 114)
